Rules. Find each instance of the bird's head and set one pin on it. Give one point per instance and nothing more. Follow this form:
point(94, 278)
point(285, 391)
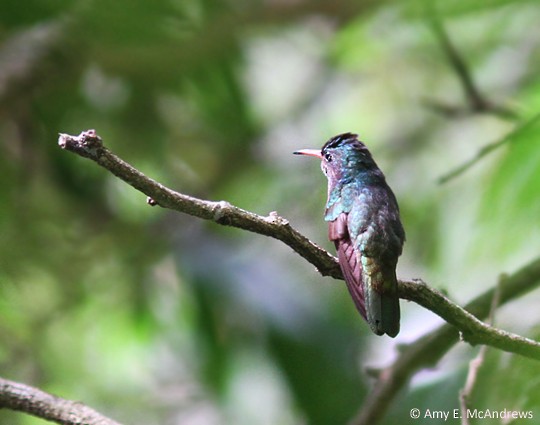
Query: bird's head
point(343, 157)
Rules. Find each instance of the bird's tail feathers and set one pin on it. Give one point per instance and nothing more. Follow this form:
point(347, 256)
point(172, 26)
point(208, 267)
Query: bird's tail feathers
point(381, 298)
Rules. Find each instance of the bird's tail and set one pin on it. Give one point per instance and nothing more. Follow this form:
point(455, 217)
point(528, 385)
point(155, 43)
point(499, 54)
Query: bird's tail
point(381, 298)
point(373, 288)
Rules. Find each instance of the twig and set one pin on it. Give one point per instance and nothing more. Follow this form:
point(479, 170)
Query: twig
point(429, 349)
point(473, 95)
point(424, 352)
point(509, 137)
point(475, 99)
point(472, 374)
point(89, 145)
point(24, 398)
point(472, 330)
point(475, 365)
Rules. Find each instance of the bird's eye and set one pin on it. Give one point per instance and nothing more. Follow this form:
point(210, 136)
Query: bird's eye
point(328, 157)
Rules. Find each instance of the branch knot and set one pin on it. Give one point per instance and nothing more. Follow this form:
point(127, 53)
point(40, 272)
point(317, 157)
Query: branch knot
point(275, 218)
point(87, 144)
point(222, 210)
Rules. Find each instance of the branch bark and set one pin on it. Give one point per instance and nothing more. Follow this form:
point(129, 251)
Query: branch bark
point(428, 350)
point(424, 352)
point(89, 145)
point(471, 329)
point(24, 398)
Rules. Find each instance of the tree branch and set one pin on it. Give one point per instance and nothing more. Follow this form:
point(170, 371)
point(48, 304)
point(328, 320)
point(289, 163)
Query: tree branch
point(429, 349)
point(476, 101)
point(509, 137)
point(473, 95)
point(24, 398)
point(475, 365)
point(471, 329)
point(89, 145)
point(425, 351)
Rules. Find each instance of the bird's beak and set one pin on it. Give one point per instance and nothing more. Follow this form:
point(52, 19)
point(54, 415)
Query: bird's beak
point(311, 152)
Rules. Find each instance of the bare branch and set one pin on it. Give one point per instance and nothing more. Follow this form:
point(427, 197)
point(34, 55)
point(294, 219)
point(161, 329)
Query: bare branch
point(472, 330)
point(429, 349)
point(476, 101)
point(24, 398)
point(475, 365)
point(424, 352)
point(517, 131)
point(89, 145)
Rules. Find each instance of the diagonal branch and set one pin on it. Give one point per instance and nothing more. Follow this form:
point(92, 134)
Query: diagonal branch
point(88, 144)
point(471, 329)
point(424, 352)
point(487, 149)
point(429, 349)
point(24, 398)
point(475, 365)
point(473, 95)
point(476, 101)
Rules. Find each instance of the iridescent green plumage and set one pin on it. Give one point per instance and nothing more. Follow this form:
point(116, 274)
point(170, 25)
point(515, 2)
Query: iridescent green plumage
point(364, 224)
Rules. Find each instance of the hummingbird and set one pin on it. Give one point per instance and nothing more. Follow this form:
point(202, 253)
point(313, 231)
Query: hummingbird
point(364, 223)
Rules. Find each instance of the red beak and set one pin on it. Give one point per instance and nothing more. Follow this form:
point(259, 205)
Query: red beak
point(310, 152)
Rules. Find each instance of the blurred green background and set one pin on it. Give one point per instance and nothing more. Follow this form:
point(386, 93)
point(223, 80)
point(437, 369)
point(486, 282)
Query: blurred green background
point(155, 317)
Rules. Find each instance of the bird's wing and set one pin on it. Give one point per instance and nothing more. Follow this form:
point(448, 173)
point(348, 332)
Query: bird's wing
point(371, 283)
point(348, 260)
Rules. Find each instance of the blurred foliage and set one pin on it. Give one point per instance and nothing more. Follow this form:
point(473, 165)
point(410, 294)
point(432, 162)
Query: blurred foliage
point(154, 317)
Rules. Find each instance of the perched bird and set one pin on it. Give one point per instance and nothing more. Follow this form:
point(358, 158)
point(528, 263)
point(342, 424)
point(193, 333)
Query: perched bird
point(364, 224)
